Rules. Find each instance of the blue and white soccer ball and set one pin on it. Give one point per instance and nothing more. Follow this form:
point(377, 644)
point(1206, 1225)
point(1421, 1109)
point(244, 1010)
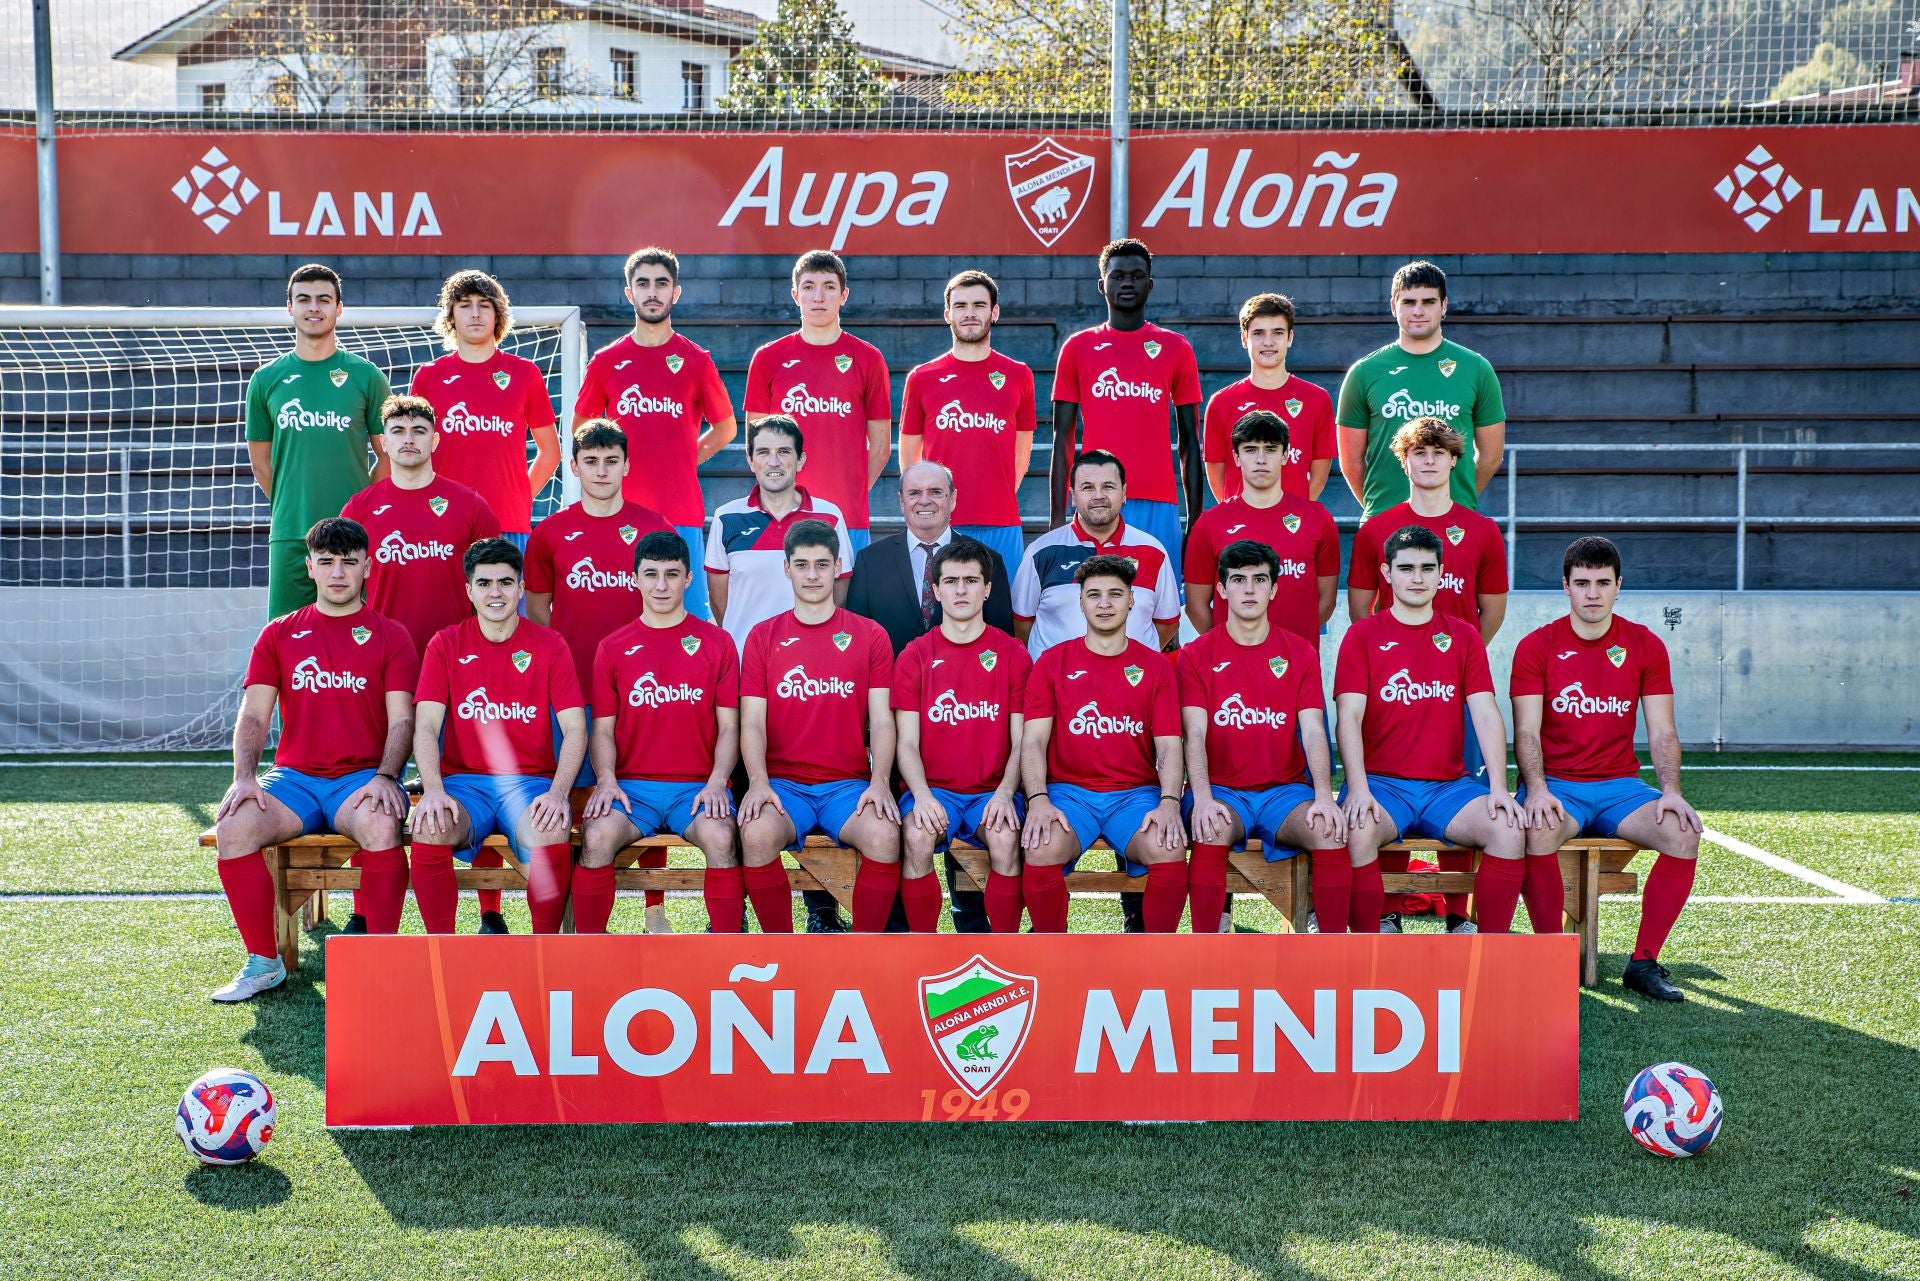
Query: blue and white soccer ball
point(226, 1117)
point(1672, 1110)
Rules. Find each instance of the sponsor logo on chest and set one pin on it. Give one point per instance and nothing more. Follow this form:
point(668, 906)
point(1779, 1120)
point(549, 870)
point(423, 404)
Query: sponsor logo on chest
point(294, 416)
point(650, 691)
point(1576, 702)
point(634, 402)
point(950, 709)
point(395, 549)
point(1109, 385)
point(310, 677)
point(1235, 714)
point(586, 577)
point(797, 684)
point(799, 401)
point(952, 417)
point(461, 421)
point(1091, 722)
point(476, 706)
point(1402, 405)
point(1402, 688)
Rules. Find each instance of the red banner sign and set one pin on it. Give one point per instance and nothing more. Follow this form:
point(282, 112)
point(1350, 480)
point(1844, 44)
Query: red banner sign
point(456, 1031)
point(1761, 189)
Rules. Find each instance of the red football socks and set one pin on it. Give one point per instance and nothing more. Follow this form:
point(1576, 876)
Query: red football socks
point(1166, 897)
point(1368, 902)
point(921, 896)
point(383, 888)
point(1045, 889)
point(549, 877)
point(653, 858)
point(1546, 893)
point(875, 886)
point(249, 888)
point(1207, 887)
point(489, 899)
point(1395, 862)
point(1332, 890)
point(592, 899)
point(726, 892)
point(772, 896)
point(1004, 903)
point(1497, 887)
point(1669, 883)
point(1456, 861)
point(434, 890)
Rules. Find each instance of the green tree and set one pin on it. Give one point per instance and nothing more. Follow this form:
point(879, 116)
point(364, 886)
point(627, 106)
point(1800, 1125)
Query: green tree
point(806, 59)
point(1830, 67)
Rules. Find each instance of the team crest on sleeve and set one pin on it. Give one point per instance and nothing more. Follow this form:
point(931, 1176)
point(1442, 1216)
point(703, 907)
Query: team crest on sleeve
point(1442, 642)
point(1133, 675)
point(501, 378)
point(1292, 522)
point(438, 506)
point(674, 363)
point(522, 659)
point(841, 640)
point(988, 659)
point(843, 363)
point(1293, 407)
point(977, 1018)
point(998, 379)
point(1617, 655)
point(1278, 666)
point(361, 635)
point(1446, 368)
point(628, 533)
point(691, 644)
point(1152, 348)
point(338, 377)
point(1454, 534)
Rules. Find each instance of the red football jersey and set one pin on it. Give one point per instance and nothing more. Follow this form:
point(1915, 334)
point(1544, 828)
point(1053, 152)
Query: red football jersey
point(486, 412)
point(333, 676)
point(660, 396)
point(1592, 690)
point(1301, 534)
point(587, 563)
point(1106, 712)
point(662, 686)
point(418, 538)
point(1473, 561)
point(1417, 680)
point(1253, 696)
point(1126, 382)
point(967, 697)
point(1307, 411)
point(969, 411)
point(500, 696)
point(816, 678)
point(833, 392)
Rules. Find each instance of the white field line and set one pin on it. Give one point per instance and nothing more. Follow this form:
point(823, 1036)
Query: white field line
point(1848, 893)
point(1813, 899)
point(1644, 769)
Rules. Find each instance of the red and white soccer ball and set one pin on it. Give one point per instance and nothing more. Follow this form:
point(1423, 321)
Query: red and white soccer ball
point(226, 1117)
point(1673, 1110)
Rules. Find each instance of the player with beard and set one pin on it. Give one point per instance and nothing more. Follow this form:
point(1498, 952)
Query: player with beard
point(971, 410)
point(661, 387)
point(1576, 684)
point(1266, 331)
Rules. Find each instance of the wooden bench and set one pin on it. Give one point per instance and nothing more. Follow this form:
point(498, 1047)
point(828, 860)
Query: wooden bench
point(307, 867)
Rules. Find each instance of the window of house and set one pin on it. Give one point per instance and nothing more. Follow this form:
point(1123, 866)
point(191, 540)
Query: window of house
point(693, 86)
point(549, 67)
point(626, 73)
point(213, 97)
point(469, 82)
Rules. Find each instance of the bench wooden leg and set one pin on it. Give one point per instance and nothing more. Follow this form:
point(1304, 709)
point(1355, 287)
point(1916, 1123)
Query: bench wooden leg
point(287, 906)
point(1590, 917)
point(314, 910)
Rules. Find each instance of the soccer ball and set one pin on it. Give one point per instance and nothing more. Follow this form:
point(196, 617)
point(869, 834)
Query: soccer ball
point(226, 1117)
point(1673, 1110)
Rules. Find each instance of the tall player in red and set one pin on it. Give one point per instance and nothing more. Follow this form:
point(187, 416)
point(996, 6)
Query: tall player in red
point(1302, 535)
point(971, 411)
point(666, 736)
point(834, 386)
point(1112, 388)
point(495, 685)
point(1258, 763)
point(1576, 684)
point(343, 679)
point(1101, 758)
point(1405, 684)
point(816, 734)
point(489, 402)
point(1266, 331)
point(959, 702)
point(660, 387)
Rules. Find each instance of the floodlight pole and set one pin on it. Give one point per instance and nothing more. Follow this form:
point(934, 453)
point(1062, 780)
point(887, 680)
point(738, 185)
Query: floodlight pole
point(1121, 124)
point(43, 152)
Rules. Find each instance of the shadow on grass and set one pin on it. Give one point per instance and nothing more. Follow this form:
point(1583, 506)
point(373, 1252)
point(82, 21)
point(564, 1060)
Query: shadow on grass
point(253, 1186)
point(1007, 1202)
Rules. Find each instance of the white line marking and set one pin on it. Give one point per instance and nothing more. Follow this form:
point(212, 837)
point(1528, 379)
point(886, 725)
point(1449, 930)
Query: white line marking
point(1794, 769)
point(116, 764)
point(1848, 893)
point(1813, 900)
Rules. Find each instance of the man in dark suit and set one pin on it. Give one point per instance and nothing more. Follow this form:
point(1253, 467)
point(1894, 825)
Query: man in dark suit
point(890, 586)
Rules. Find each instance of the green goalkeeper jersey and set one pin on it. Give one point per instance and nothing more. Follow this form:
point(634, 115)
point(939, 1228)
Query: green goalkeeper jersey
point(319, 414)
point(1388, 388)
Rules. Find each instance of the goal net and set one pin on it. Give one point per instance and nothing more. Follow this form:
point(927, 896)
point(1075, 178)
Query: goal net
point(133, 541)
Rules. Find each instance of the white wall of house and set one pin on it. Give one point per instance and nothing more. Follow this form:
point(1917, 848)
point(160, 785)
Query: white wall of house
point(589, 47)
point(249, 82)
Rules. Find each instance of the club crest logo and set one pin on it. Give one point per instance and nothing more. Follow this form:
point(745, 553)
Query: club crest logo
point(989, 660)
point(338, 377)
point(674, 363)
point(998, 379)
point(1446, 368)
point(843, 363)
point(1293, 407)
point(1049, 185)
point(438, 506)
point(361, 635)
point(1442, 642)
point(1617, 655)
point(691, 644)
point(977, 1019)
point(841, 640)
point(501, 378)
point(1278, 666)
point(1292, 523)
point(522, 659)
point(1152, 349)
point(1455, 534)
point(1133, 675)
point(628, 533)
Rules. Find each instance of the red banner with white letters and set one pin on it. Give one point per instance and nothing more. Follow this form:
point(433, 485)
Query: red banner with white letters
point(753, 1028)
point(1758, 189)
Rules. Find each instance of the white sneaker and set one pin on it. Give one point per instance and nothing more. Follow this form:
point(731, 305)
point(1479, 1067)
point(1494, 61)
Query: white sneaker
point(1465, 927)
point(258, 975)
point(657, 922)
point(1313, 923)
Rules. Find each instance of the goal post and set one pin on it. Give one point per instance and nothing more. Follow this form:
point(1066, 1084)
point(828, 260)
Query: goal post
point(133, 541)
